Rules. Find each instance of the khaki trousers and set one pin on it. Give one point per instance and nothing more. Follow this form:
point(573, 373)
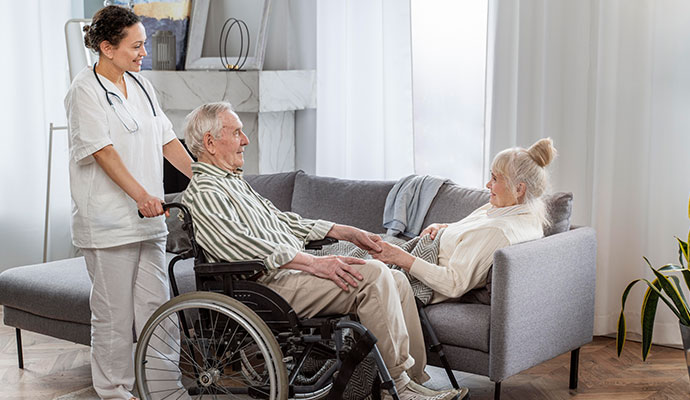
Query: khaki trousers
point(129, 283)
point(384, 303)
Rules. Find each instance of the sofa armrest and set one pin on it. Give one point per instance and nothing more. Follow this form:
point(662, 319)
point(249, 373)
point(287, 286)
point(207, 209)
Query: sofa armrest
point(542, 302)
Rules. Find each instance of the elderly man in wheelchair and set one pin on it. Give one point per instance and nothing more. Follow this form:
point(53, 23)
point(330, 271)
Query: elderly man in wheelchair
point(295, 348)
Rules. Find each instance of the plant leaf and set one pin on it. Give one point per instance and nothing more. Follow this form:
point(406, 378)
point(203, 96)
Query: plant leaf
point(672, 292)
point(649, 306)
point(671, 267)
point(662, 297)
point(620, 336)
point(684, 250)
point(686, 276)
point(676, 280)
point(622, 331)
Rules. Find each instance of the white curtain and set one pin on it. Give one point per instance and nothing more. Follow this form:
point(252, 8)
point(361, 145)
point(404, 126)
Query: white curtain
point(364, 124)
point(449, 75)
point(35, 82)
point(609, 81)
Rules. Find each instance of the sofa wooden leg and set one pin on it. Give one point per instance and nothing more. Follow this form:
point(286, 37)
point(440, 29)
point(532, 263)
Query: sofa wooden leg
point(574, 364)
point(20, 355)
point(497, 391)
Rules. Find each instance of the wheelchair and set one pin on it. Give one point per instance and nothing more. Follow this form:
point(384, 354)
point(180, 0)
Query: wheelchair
point(237, 339)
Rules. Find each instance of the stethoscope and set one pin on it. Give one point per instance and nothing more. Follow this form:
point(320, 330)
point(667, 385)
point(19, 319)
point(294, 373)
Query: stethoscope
point(109, 95)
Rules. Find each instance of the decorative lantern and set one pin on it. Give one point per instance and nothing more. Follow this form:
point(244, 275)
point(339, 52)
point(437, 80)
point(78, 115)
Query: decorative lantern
point(163, 51)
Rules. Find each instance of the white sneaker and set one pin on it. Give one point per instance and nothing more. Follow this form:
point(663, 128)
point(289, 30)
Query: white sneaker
point(419, 388)
point(414, 391)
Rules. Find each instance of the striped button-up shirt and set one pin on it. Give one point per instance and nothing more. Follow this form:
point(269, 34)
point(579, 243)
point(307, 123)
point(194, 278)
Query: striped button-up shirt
point(233, 222)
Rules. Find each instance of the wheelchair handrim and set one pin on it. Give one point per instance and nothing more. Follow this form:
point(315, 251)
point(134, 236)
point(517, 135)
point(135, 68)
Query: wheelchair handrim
point(188, 301)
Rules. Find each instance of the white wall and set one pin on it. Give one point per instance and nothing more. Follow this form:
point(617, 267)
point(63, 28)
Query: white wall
point(291, 44)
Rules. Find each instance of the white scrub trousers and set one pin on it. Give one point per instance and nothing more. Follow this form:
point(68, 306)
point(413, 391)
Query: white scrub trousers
point(129, 283)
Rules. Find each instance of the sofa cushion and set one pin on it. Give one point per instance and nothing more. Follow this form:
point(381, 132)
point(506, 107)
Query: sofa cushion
point(453, 203)
point(349, 202)
point(559, 206)
point(57, 290)
point(461, 324)
point(60, 289)
point(275, 187)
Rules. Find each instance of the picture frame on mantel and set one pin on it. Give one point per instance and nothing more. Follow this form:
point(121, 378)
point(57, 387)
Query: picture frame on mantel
point(206, 21)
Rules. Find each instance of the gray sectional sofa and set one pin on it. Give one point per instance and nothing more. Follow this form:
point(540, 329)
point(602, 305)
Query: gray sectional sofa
point(538, 304)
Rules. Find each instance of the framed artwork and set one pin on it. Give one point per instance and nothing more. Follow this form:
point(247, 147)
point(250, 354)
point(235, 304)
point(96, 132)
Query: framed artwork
point(206, 43)
point(162, 15)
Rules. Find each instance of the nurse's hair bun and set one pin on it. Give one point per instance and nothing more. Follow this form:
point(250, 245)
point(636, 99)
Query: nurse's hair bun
point(109, 24)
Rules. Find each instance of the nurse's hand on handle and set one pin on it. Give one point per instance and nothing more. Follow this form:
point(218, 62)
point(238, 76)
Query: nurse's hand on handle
point(151, 206)
point(109, 159)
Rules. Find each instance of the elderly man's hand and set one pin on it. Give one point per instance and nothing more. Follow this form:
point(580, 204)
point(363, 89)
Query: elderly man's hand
point(366, 240)
point(362, 239)
point(392, 254)
point(338, 269)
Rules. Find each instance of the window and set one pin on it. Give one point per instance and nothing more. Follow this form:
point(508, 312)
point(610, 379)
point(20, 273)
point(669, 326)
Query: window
point(448, 77)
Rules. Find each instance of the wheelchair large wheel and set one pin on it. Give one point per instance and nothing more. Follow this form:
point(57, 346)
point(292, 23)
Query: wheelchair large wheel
point(207, 345)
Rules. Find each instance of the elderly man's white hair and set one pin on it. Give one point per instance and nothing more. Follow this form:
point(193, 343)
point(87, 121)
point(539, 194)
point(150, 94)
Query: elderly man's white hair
point(204, 119)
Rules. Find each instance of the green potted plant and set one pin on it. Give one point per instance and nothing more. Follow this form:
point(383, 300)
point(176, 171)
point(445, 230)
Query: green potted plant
point(668, 289)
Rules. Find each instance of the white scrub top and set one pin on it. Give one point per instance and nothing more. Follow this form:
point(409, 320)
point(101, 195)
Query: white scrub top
point(103, 215)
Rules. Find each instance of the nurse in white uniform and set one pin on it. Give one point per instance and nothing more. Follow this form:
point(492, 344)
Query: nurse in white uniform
point(118, 137)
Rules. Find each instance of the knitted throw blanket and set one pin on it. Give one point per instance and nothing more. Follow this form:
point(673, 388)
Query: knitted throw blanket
point(423, 247)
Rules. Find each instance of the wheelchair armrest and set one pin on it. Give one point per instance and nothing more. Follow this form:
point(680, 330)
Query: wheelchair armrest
point(318, 244)
point(234, 267)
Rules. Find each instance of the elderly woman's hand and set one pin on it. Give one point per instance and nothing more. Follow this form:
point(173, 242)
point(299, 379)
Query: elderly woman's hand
point(366, 240)
point(362, 239)
point(433, 230)
point(392, 254)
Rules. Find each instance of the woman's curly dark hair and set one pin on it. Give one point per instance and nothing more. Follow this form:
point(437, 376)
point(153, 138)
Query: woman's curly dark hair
point(109, 24)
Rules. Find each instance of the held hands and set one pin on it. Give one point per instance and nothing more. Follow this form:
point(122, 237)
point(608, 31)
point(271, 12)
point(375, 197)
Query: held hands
point(338, 269)
point(363, 239)
point(392, 254)
point(151, 206)
point(433, 230)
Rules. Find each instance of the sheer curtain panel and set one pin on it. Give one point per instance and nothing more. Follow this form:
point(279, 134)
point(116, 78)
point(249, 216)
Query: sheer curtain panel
point(609, 81)
point(36, 80)
point(364, 124)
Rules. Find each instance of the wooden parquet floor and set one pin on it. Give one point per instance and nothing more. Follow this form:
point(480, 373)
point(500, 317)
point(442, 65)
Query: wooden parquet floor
point(54, 367)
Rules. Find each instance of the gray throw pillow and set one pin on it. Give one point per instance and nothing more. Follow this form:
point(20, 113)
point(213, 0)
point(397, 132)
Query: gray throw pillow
point(558, 208)
point(178, 241)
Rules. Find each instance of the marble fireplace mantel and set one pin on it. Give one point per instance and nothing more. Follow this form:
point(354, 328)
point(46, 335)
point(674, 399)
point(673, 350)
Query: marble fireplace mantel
point(266, 102)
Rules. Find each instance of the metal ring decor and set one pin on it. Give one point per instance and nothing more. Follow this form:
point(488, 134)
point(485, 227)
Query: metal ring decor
point(230, 23)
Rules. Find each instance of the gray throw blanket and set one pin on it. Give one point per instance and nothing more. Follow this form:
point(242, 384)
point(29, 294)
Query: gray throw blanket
point(407, 204)
point(423, 247)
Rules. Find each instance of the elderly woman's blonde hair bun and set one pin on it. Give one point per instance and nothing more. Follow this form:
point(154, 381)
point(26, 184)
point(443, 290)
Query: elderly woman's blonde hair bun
point(542, 152)
point(527, 166)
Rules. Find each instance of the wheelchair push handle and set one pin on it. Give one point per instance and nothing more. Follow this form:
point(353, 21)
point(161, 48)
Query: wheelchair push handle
point(167, 206)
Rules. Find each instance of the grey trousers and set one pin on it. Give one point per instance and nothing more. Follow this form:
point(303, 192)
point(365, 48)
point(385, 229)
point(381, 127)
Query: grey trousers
point(384, 303)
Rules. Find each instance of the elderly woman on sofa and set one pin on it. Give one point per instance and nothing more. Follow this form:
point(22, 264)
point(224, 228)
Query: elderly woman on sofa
point(516, 213)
